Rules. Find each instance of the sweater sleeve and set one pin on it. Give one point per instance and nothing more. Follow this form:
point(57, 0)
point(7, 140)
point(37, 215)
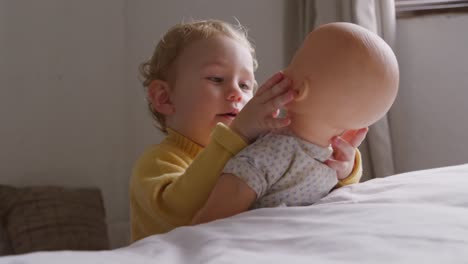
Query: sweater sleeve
point(167, 193)
point(356, 174)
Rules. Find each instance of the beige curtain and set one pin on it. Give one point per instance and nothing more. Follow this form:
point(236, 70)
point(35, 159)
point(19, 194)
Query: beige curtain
point(376, 15)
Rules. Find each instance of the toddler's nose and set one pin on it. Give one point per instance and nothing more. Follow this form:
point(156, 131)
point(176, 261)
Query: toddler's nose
point(234, 98)
point(234, 94)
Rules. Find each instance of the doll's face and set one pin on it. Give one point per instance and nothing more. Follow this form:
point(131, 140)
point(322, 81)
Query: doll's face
point(346, 76)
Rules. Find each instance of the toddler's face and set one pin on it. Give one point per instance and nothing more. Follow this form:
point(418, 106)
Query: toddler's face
point(214, 80)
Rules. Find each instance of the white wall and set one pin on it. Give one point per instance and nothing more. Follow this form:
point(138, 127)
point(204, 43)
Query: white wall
point(72, 110)
point(429, 118)
point(63, 106)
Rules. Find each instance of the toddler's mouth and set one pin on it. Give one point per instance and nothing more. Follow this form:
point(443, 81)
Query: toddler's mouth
point(232, 114)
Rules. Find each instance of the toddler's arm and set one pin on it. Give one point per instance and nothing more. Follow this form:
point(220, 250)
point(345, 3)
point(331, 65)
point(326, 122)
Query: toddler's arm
point(168, 188)
point(230, 196)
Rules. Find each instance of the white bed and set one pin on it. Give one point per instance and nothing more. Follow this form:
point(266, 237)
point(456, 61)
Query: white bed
point(417, 217)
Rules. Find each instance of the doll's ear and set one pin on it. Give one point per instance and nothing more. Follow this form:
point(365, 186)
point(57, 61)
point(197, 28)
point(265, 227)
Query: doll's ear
point(159, 97)
point(302, 90)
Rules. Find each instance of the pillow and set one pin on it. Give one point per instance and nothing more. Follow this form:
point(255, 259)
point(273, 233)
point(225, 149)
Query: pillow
point(5, 247)
point(45, 218)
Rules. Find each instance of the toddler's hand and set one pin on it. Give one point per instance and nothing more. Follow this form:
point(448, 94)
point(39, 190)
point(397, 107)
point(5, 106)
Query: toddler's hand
point(344, 152)
point(259, 115)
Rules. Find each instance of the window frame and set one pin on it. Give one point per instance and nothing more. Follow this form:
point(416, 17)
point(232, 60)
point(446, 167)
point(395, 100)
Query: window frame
point(405, 8)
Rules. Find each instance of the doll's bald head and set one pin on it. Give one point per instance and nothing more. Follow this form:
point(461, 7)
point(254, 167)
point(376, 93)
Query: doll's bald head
point(346, 76)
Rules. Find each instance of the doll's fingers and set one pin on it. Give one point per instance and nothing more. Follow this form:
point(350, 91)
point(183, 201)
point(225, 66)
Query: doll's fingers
point(343, 150)
point(276, 78)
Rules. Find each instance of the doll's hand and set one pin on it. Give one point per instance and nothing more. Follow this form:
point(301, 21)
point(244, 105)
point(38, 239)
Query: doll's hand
point(260, 114)
point(344, 152)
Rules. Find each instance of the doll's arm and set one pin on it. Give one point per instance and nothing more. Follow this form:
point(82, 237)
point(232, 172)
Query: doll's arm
point(230, 196)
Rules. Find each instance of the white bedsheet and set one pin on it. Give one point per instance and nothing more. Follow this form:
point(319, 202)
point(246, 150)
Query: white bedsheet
point(417, 217)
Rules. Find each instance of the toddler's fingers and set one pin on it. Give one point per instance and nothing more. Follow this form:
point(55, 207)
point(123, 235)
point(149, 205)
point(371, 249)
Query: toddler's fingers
point(279, 101)
point(274, 123)
point(356, 139)
point(338, 166)
point(348, 135)
point(344, 151)
point(275, 113)
point(275, 91)
point(276, 78)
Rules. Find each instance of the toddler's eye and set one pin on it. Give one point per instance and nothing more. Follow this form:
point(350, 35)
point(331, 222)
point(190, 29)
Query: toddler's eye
point(245, 86)
point(215, 79)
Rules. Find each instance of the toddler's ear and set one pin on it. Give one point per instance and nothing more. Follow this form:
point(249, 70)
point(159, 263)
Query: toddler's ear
point(159, 96)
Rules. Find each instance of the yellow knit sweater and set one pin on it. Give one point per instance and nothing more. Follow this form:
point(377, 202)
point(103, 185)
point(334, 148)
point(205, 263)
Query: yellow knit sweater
point(172, 180)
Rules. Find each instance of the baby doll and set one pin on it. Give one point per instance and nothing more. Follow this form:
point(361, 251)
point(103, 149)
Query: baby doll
point(346, 78)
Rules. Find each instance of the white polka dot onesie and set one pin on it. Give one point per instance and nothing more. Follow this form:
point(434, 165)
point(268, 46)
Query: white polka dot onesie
point(284, 170)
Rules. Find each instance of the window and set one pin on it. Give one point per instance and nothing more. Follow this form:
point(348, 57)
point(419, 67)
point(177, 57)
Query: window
point(404, 7)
